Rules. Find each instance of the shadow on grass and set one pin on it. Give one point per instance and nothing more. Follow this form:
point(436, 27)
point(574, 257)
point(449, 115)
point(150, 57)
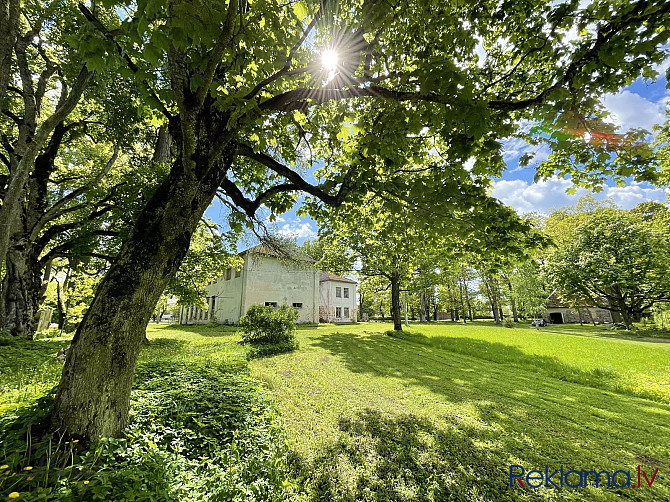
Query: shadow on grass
point(606, 377)
point(20, 352)
point(263, 350)
point(504, 390)
point(405, 457)
point(519, 416)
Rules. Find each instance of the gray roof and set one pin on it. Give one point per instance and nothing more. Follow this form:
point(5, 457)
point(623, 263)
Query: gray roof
point(328, 276)
point(264, 249)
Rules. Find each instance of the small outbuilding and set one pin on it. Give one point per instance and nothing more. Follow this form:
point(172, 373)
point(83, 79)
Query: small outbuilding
point(560, 312)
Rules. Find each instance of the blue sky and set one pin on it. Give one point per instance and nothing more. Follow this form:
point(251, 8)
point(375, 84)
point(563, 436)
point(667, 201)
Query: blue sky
point(641, 104)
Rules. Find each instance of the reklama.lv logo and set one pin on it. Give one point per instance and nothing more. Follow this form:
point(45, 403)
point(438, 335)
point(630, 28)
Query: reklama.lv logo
point(575, 478)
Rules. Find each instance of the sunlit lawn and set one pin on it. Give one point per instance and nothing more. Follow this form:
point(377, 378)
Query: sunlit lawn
point(442, 412)
point(437, 413)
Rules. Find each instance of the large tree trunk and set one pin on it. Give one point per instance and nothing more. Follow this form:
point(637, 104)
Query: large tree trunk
point(395, 302)
point(627, 318)
point(94, 392)
point(21, 292)
point(61, 288)
point(422, 308)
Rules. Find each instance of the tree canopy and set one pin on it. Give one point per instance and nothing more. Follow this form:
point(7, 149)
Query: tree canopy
point(338, 100)
point(618, 260)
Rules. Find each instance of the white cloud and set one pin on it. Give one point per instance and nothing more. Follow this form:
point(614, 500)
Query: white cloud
point(546, 195)
point(298, 229)
point(629, 110)
point(516, 147)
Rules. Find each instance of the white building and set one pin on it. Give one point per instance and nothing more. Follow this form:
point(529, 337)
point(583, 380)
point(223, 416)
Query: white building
point(265, 279)
point(338, 298)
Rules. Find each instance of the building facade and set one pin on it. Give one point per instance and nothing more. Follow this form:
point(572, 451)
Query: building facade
point(338, 298)
point(559, 312)
point(266, 279)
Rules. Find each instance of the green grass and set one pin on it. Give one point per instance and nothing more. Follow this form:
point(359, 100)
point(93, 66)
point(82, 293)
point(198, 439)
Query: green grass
point(201, 428)
point(436, 413)
point(441, 413)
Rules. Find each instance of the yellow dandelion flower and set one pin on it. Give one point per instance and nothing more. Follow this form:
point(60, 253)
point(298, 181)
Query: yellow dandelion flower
point(4, 467)
point(86, 482)
point(27, 468)
point(14, 495)
point(75, 441)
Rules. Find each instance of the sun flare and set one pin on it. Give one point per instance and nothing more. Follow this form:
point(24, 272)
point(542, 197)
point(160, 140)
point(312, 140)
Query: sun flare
point(329, 59)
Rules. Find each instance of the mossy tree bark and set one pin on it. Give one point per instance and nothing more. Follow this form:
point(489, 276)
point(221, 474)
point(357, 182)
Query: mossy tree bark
point(396, 311)
point(22, 292)
point(93, 396)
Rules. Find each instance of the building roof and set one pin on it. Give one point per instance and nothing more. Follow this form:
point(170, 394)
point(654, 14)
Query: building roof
point(266, 250)
point(554, 301)
point(328, 276)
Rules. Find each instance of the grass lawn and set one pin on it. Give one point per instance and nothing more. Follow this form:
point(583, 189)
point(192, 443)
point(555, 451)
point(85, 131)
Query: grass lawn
point(440, 413)
point(437, 413)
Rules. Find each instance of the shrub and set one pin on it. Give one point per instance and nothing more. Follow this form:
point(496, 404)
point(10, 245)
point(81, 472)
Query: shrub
point(197, 432)
point(508, 323)
point(267, 325)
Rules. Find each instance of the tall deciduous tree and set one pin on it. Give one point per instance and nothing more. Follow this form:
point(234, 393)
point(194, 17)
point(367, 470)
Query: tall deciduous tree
point(617, 261)
point(46, 81)
point(247, 100)
point(402, 231)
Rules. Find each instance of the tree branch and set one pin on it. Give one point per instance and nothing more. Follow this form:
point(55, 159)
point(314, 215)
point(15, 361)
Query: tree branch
point(297, 181)
point(55, 211)
point(285, 70)
point(124, 55)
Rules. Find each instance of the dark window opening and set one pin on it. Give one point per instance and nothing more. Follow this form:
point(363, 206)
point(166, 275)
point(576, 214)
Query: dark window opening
point(270, 304)
point(228, 273)
point(338, 292)
point(297, 305)
point(346, 292)
point(556, 318)
point(238, 273)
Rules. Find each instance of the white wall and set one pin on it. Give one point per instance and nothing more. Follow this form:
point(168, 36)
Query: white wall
point(267, 279)
point(330, 301)
point(270, 280)
point(228, 297)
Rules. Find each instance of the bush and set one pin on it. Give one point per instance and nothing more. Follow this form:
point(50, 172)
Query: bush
point(267, 325)
point(508, 323)
point(197, 432)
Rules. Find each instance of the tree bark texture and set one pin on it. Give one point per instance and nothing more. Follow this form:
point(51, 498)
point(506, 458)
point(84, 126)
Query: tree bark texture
point(21, 292)
point(396, 311)
point(93, 395)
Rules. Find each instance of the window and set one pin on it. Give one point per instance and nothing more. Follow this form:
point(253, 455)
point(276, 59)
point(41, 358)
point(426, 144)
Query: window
point(213, 302)
point(238, 273)
point(346, 292)
point(346, 312)
point(228, 273)
point(338, 311)
point(270, 304)
point(338, 292)
point(298, 305)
